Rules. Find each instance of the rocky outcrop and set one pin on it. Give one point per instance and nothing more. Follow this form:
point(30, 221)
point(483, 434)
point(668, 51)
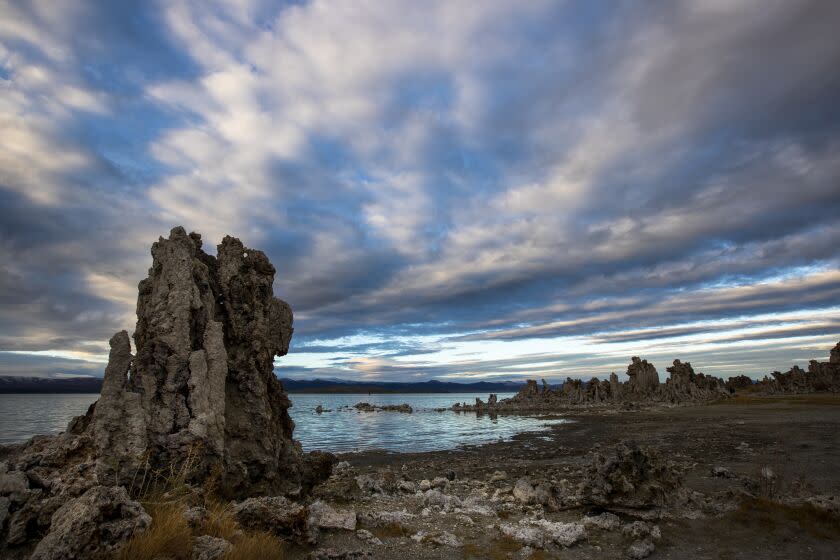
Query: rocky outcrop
point(683, 386)
point(201, 386)
point(643, 377)
point(367, 407)
point(642, 386)
point(738, 382)
point(820, 377)
point(197, 397)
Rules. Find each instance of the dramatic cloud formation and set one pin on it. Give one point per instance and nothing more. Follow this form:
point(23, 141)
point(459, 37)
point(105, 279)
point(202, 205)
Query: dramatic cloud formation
point(448, 189)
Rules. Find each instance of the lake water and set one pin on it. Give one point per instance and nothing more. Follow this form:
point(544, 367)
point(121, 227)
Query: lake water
point(23, 416)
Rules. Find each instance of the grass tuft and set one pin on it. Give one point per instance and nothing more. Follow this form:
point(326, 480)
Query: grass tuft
point(259, 545)
point(168, 537)
point(220, 522)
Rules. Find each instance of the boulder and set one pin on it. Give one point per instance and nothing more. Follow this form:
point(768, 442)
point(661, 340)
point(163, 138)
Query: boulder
point(629, 476)
point(527, 493)
point(323, 516)
point(275, 514)
point(539, 533)
point(206, 547)
point(640, 549)
point(92, 525)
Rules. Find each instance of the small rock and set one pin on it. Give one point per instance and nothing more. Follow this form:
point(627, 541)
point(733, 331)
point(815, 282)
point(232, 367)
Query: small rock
point(722, 472)
point(528, 494)
point(334, 554)
point(498, 476)
point(439, 482)
point(371, 483)
point(323, 516)
point(442, 538)
point(206, 547)
point(407, 486)
point(272, 513)
point(93, 524)
point(466, 520)
point(196, 516)
point(15, 485)
point(424, 485)
point(605, 521)
point(639, 529)
point(385, 517)
point(540, 532)
point(435, 497)
point(640, 549)
point(368, 537)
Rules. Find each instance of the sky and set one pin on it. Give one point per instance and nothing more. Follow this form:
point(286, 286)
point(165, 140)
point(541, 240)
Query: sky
point(449, 190)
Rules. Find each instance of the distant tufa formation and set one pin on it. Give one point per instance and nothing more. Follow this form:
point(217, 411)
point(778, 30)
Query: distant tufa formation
point(683, 386)
point(198, 398)
point(821, 376)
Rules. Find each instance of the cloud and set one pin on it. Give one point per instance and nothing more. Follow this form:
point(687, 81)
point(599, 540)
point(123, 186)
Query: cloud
point(441, 178)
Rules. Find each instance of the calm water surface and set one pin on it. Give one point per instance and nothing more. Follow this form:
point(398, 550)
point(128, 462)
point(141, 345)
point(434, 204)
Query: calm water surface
point(22, 416)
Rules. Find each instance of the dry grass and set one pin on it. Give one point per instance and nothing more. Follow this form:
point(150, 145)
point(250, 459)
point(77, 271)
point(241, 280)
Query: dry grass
point(220, 522)
point(772, 516)
point(168, 537)
point(165, 495)
point(256, 546)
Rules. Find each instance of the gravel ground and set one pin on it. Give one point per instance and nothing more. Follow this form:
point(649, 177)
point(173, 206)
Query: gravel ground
point(793, 440)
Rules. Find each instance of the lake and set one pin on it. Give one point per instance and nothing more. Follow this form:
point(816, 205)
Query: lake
point(342, 430)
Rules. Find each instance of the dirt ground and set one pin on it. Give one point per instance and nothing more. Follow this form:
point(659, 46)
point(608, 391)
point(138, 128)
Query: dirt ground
point(797, 437)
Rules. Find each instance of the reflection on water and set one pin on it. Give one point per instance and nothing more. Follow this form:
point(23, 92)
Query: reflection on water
point(342, 429)
point(423, 430)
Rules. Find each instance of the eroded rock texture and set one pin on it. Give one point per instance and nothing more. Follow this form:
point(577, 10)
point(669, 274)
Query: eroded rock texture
point(643, 376)
point(685, 385)
point(201, 386)
point(92, 525)
point(631, 476)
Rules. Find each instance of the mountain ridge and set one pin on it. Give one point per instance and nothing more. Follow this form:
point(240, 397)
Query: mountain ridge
point(70, 385)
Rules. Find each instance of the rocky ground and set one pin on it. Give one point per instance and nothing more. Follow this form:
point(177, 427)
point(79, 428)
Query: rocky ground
point(750, 472)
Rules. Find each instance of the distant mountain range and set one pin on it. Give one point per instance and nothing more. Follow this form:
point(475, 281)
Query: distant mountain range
point(343, 386)
point(19, 384)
